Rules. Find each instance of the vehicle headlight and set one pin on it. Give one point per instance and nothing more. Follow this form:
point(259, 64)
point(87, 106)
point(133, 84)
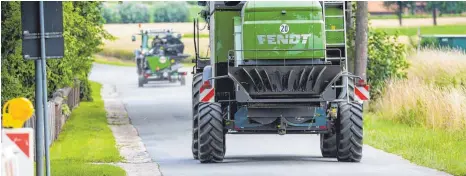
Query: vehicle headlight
point(163, 59)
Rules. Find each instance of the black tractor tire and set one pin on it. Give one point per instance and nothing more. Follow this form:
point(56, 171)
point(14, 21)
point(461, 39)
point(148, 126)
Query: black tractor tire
point(349, 132)
point(211, 136)
point(197, 80)
point(328, 145)
point(328, 142)
point(141, 81)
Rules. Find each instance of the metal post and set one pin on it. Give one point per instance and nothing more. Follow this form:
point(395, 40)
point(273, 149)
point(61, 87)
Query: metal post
point(39, 120)
point(44, 88)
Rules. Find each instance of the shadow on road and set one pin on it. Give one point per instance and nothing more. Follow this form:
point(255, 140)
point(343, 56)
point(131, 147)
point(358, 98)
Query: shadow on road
point(160, 85)
point(275, 158)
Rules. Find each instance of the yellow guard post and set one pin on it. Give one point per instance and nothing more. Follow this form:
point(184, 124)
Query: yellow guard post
point(16, 111)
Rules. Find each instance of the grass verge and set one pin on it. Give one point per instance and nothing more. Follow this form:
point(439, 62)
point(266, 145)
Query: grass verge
point(86, 139)
point(84, 169)
point(425, 30)
point(439, 149)
point(423, 118)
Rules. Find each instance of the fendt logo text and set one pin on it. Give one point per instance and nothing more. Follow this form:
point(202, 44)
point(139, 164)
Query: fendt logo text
point(283, 39)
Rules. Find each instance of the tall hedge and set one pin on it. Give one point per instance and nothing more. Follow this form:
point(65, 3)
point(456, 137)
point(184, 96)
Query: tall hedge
point(83, 33)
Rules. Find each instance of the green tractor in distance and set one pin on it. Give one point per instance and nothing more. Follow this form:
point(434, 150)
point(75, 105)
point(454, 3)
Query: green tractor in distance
point(276, 68)
point(159, 57)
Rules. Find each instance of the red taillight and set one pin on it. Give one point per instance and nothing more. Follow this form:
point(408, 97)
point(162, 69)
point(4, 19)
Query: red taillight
point(322, 127)
point(183, 73)
point(146, 75)
point(206, 85)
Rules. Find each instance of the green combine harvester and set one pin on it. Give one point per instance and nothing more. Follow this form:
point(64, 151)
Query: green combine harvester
point(159, 57)
point(276, 68)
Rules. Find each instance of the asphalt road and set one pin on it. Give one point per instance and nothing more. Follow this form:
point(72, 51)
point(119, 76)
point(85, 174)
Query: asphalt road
point(161, 112)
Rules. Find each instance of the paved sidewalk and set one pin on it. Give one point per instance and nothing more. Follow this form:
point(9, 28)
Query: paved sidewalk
point(137, 161)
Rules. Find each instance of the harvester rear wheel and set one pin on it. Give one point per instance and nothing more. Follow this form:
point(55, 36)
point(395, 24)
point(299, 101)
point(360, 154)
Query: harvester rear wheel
point(349, 132)
point(197, 79)
point(211, 136)
point(328, 145)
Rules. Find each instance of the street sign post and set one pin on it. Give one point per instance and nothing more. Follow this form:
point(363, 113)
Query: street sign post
point(42, 26)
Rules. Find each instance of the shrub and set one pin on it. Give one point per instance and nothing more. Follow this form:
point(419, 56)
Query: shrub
point(387, 60)
point(83, 33)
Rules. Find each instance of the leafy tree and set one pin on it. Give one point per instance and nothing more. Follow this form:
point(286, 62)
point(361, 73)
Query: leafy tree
point(172, 11)
point(444, 7)
point(133, 12)
point(399, 6)
point(110, 13)
point(83, 34)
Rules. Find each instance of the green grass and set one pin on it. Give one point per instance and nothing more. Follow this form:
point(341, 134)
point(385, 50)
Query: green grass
point(85, 139)
point(438, 149)
point(410, 31)
point(413, 16)
point(191, 35)
point(115, 62)
point(62, 168)
point(118, 53)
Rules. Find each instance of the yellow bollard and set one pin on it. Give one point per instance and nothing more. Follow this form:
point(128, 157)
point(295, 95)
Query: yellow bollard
point(16, 111)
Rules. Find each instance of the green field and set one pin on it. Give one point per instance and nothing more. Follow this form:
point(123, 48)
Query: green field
point(117, 62)
point(413, 16)
point(86, 139)
point(191, 35)
point(410, 31)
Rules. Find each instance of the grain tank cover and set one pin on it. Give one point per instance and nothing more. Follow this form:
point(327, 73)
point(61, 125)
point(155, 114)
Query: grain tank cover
point(284, 25)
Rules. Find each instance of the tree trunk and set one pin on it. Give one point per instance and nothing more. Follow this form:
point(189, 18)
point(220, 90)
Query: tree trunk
point(361, 39)
point(349, 30)
point(400, 12)
point(434, 13)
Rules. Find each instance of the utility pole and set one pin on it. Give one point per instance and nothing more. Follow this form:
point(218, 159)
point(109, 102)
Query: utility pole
point(434, 12)
point(361, 39)
point(349, 30)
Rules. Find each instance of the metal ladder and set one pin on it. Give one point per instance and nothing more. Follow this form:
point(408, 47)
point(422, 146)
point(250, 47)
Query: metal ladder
point(341, 4)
